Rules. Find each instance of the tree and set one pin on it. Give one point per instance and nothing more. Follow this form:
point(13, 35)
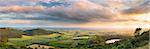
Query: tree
point(137, 32)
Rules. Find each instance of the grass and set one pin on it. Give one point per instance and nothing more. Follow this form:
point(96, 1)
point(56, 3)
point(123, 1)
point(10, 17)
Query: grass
point(23, 38)
point(55, 40)
point(65, 40)
point(144, 47)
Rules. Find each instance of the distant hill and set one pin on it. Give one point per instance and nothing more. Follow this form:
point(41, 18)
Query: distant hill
point(39, 31)
point(11, 33)
point(6, 33)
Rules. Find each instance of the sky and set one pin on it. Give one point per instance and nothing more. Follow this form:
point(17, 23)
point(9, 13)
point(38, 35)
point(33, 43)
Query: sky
point(75, 13)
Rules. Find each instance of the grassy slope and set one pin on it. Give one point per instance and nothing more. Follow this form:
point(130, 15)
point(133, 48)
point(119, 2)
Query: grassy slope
point(144, 47)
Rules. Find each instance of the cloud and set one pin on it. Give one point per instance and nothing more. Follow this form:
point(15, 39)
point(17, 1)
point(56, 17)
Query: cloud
point(32, 23)
point(83, 10)
point(78, 12)
point(15, 22)
point(139, 9)
point(20, 9)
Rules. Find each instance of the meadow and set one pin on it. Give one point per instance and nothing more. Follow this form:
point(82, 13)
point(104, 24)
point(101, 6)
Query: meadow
point(78, 40)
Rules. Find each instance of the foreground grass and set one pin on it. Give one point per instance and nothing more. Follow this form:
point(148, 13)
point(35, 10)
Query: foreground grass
point(144, 47)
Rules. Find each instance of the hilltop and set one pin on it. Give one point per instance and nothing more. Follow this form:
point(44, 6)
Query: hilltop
point(11, 33)
point(39, 31)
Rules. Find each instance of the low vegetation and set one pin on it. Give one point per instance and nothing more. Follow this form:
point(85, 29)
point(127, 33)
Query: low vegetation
point(18, 39)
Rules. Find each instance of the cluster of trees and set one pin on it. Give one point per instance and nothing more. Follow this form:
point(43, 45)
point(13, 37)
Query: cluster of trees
point(133, 43)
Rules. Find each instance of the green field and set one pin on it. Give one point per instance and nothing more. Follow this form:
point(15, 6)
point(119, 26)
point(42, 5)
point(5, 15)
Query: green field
point(78, 40)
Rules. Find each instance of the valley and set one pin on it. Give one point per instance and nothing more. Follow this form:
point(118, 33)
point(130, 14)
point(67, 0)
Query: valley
point(48, 39)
